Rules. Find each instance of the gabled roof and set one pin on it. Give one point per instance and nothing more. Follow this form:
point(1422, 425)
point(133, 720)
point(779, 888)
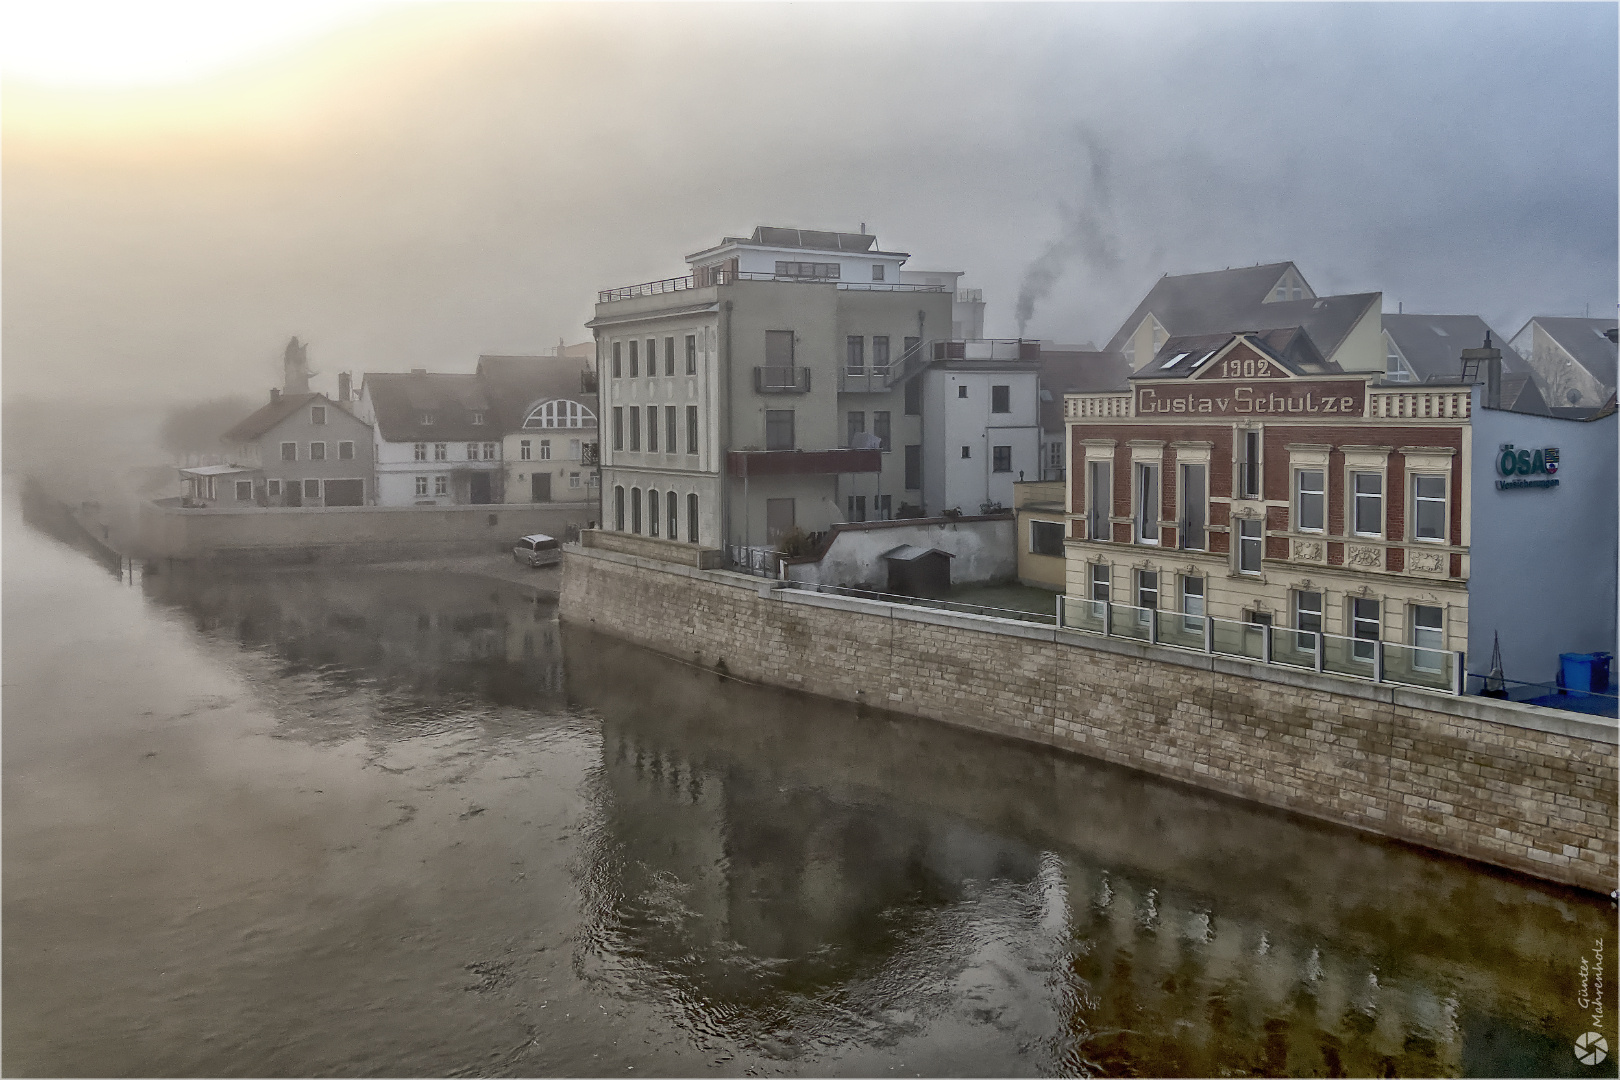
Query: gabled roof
point(805, 239)
point(1290, 347)
point(1072, 371)
point(264, 419)
point(1432, 345)
point(515, 384)
point(1204, 303)
point(1327, 319)
point(1584, 340)
point(400, 402)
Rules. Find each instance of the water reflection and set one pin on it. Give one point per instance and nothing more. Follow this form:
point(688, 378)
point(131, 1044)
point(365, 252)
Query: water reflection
point(777, 860)
point(698, 875)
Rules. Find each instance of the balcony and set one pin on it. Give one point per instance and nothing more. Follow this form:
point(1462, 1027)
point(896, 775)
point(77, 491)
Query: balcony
point(1010, 349)
point(729, 277)
point(782, 380)
point(743, 463)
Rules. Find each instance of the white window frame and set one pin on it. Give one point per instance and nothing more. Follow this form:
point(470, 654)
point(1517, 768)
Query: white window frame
point(1301, 612)
point(1258, 527)
point(1421, 638)
point(1362, 648)
point(419, 451)
point(1356, 497)
point(1418, 500)
point(1191, 619)
point(441, 451)
point(1145, 518)
point(1300, 494)
point(441, 486)
point(421, 487)
point(525, 450)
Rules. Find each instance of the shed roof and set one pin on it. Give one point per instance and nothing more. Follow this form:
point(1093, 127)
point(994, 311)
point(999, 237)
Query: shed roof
point(911, 553)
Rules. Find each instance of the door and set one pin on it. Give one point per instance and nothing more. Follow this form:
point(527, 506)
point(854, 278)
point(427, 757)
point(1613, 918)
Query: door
point(345, 492)
point(778, 519)
point(478, 487)
point(540, 487)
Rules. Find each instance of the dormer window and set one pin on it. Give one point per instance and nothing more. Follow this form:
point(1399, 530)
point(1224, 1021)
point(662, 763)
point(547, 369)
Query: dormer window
point(477, 417)
point(1395, 369)
point(427, 419)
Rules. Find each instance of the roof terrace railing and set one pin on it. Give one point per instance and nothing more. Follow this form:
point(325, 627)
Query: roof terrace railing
point(727, 277)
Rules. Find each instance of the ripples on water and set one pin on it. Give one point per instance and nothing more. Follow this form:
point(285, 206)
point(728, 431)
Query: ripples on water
point(443, 820)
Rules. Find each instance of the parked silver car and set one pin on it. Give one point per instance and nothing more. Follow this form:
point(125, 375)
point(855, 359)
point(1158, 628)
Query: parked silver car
point(538, 550)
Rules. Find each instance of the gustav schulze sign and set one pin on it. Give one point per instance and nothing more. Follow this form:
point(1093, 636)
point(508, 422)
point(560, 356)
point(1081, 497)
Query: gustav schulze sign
point(1296, 399)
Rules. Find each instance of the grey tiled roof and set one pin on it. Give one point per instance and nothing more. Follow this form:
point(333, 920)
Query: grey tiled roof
point(401, 401)
point(1189, 303)
point(1182, 357)
point(265, 419)
point(1583, 339)
point(515, 384)
point(1432, 344)
point(1067, 371)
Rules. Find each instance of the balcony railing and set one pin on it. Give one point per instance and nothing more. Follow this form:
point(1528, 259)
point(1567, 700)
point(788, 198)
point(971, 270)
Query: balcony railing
point(781, 380)
point(1331, 654)
point(727, 277)
point(1105, 406)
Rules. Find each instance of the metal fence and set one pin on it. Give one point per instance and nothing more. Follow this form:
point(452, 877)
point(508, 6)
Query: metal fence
point(1331, 654)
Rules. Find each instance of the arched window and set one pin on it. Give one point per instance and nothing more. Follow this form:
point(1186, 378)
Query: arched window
point(653, 506)
point(635, 510)
point(618, 508)
point(559, 413)
point(674, 503)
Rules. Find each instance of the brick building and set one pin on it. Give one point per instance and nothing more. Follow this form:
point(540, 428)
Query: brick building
point(1243, 477)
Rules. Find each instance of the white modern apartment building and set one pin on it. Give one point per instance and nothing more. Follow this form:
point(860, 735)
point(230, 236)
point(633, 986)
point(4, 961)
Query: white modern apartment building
point(781, 386)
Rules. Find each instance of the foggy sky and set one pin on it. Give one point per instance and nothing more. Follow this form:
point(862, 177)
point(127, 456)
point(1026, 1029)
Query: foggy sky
point(438, 183)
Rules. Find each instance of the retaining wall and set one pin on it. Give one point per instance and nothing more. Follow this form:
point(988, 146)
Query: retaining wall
point(345, 533)
point(1530, 789)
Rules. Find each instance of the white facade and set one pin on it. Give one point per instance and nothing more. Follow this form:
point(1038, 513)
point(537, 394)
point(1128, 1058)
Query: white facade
point(973, 452)
point(553, 456)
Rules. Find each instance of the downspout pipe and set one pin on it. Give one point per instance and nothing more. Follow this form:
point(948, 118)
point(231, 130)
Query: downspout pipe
point(601, 441)
point(725, 428)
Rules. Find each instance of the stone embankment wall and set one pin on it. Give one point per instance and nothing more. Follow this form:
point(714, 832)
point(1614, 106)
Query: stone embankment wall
point(1519, 787)
point(345, 533)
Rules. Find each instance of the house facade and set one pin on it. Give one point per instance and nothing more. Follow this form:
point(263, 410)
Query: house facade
point(774, 389)
point(300, 449)
point(546, 411)
point(1244, 478)
point(434, 436)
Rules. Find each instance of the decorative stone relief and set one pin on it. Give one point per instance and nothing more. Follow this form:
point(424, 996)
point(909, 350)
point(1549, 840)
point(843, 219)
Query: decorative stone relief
point(1308, 550)
point(1426, 562)
point(1370, 557)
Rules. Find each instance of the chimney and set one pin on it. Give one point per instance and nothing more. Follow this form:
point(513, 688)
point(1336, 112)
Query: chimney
point(418, 371)
point(1490, 359)
point(343, 387)
point(275, 395)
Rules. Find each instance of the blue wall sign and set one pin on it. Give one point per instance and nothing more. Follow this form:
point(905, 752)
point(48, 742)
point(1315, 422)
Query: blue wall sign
point(1526, 468)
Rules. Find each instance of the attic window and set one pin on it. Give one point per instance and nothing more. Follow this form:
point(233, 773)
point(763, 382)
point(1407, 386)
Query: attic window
point(1046, 395)
point(1202, 360)
point(427, 418)
point(1174, 360)
point(1439, 330)
point(477, 417)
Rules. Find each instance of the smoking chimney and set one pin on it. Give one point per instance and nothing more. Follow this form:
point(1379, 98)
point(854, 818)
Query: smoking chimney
point(344, 387)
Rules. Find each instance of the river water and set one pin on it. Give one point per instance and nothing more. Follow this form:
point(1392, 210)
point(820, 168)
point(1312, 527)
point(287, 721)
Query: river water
point(364, 822)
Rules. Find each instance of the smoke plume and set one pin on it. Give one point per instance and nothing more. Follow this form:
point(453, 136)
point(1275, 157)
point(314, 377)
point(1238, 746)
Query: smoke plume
point(1085, 235)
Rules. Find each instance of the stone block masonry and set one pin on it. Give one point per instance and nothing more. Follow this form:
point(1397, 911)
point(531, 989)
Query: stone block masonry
point(1528, 789)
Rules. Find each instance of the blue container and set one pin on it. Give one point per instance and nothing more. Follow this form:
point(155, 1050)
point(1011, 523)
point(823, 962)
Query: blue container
point(1584, 672)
